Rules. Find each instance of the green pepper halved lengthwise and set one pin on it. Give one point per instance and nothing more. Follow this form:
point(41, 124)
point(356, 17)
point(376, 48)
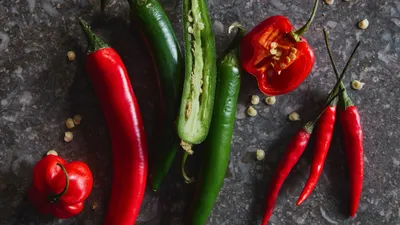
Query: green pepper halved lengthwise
point(218, 142)
point(200, 73)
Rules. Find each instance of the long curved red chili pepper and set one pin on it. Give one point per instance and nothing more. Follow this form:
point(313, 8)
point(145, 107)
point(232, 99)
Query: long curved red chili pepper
point(323, 135)
point(113, 88)
point(323, 139)
point(295, 149)
point(353, 137)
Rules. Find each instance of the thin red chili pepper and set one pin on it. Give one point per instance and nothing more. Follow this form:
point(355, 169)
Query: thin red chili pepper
point(113, 88)
point(353, 135)
point(295, 149)
point(353, 138)
point(323, 138)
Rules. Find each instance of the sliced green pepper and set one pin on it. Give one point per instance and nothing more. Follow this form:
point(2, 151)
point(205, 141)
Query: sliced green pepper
point(156, 29)
point(218, 142)
point(200, 73)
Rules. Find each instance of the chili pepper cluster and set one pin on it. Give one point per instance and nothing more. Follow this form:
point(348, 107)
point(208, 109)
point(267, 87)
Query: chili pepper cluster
point(199, 95)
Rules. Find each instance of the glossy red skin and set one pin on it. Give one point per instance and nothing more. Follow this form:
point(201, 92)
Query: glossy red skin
point(323, 138)
point(353, 138)
point(49, 179)
point(113, 88)
point(291, 77)
point(295, 149)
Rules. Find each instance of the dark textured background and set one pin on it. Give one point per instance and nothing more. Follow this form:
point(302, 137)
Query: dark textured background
point(40, 88)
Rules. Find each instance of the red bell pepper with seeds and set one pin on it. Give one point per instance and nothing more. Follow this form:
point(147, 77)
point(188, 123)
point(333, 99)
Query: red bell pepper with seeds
point(113, 88)
point(277, 55)
point(60, 188)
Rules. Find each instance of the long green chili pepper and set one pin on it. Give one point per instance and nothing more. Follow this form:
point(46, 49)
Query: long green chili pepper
point(161, 41)
point(218, 142)
point(200, 73)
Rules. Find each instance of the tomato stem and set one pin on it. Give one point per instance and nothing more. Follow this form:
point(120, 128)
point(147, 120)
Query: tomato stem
point(297, 34)
point(95, 43)
point(56, 197)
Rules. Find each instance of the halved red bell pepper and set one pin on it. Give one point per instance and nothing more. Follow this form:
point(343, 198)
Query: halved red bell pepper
point(277, 55)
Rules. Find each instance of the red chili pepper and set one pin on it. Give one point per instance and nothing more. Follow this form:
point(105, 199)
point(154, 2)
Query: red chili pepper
point(60, 188)
point(113, 88)
point(295, 149)
point(323, 134)
point(277, 55)
point(353, 135)
point(323, 141)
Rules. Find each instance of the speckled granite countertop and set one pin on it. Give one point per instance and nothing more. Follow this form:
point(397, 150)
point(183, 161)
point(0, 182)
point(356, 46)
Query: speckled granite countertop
point(40, 88)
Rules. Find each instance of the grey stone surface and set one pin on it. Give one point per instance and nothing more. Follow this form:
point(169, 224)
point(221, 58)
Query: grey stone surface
point(40, 88)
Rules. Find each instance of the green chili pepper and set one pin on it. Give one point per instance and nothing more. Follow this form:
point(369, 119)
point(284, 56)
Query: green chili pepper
point(218, 142)
point(160, 39)
point(200, 73)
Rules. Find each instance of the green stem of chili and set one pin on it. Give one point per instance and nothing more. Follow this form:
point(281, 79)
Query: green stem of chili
point(297, 34)
point(95, 43)
point(56, 197)
point(345, 99)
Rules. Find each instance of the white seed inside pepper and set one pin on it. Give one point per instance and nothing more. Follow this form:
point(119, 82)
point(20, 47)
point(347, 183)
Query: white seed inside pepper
point(71, 55)
point(270, 100)
point(68, 136)
point(294, 116)
point(363, 24)
point(251, 111)
point(357, 85)
point(69, 123)
point(260, 154)
point(255, 99)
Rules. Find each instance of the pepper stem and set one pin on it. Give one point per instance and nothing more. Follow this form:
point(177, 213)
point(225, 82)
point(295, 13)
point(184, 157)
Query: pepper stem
point(188, 180)
point(56, 197)
point(94, 42)
point(346, 101)
point(297, 34)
